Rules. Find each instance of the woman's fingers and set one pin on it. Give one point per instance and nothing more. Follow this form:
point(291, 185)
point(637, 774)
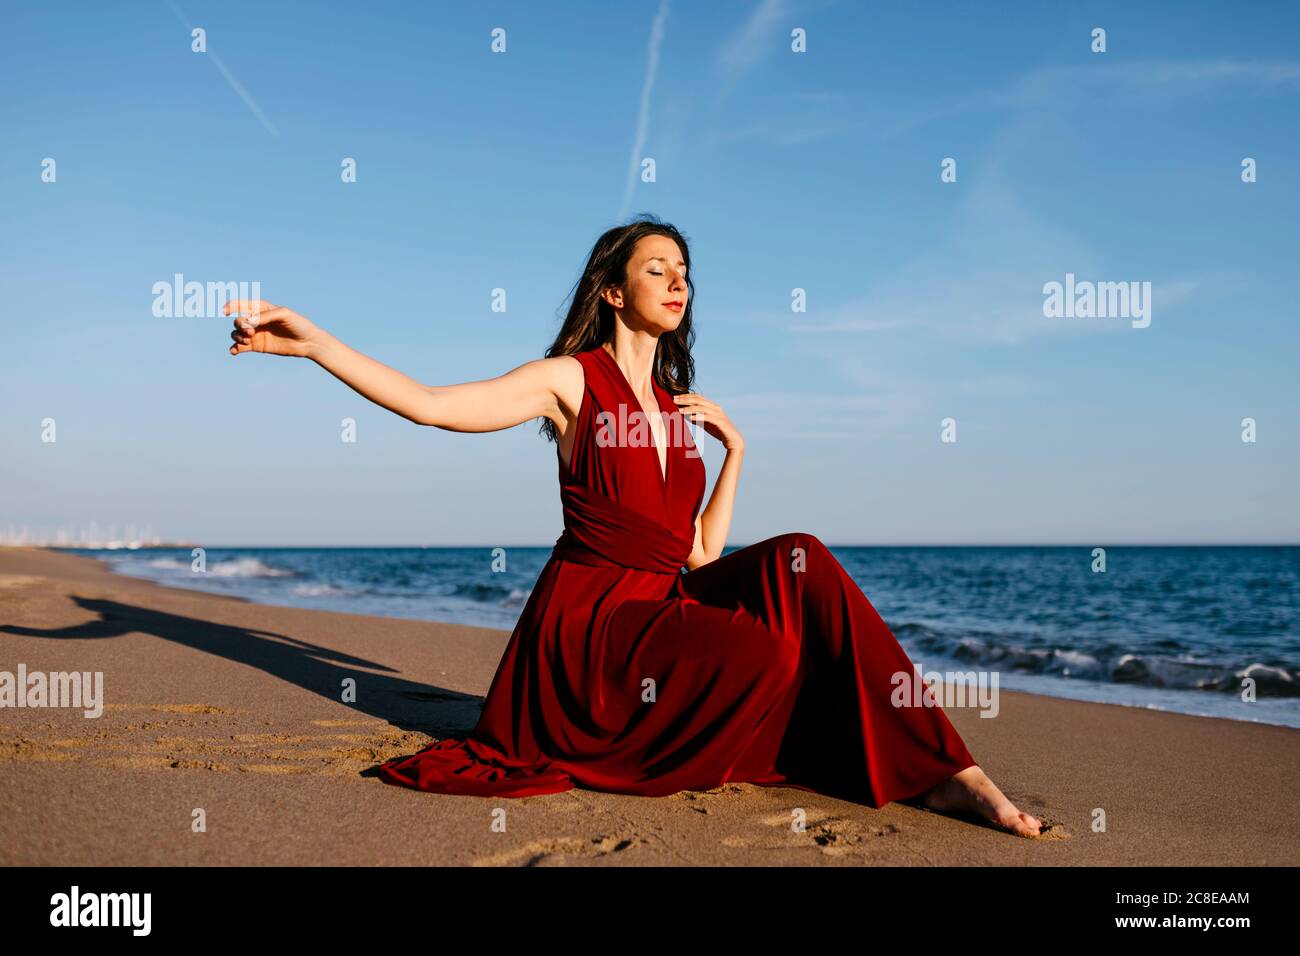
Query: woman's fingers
point(255, 319)
point(261, 326)
point(243, 340)
point(691, 399)
point(692, 408)
point(698, 410)
point(696, 413)
point(248, 305)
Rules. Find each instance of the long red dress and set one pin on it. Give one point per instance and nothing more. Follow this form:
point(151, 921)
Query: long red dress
point(767, 666)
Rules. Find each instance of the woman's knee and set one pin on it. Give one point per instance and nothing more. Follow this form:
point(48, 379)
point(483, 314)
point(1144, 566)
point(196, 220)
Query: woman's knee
point(801, 549)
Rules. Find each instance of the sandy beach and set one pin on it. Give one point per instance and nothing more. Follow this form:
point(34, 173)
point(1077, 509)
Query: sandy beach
point(235, 709)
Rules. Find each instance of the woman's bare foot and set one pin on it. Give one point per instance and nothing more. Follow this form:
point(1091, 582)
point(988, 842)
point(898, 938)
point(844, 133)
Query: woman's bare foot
point(971, 791)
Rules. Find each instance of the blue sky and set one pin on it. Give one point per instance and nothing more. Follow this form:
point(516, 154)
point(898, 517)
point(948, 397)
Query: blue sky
point(817, 171)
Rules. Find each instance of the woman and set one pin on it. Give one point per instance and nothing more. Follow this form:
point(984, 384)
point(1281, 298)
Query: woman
point(624, 673)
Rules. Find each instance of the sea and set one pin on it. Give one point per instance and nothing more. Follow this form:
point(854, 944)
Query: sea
point(1180, 629)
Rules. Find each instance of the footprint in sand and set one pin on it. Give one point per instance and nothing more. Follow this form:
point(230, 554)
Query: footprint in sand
point(832, 835)
point(563, 850)
point(699, 800)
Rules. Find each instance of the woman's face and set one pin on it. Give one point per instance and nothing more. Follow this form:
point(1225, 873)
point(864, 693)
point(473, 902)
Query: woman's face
point(655, 294)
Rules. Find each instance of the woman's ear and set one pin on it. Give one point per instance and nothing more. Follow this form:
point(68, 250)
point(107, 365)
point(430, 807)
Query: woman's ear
point(614, 296)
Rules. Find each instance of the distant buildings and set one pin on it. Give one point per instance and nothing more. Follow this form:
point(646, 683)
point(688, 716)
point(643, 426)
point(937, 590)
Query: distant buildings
point(92, 537)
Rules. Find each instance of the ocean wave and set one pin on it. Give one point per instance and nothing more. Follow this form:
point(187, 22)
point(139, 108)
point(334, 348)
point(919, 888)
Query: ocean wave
point(1118, 667)
point(320, 590)
point(486, 593)
point(246, 568)
point(168, 564)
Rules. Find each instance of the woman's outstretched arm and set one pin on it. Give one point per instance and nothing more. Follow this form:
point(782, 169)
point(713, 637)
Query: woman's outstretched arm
point(524, 393)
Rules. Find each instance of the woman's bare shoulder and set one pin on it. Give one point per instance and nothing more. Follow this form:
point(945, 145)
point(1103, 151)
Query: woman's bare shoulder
point(568, 380)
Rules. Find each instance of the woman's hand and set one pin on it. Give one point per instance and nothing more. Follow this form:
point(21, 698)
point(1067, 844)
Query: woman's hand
point(699, 409)
point(271, 329)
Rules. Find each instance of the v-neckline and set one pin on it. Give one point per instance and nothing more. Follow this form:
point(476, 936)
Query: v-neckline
point(664, 472)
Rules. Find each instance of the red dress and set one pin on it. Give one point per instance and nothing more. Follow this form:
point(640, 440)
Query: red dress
point(767, 666)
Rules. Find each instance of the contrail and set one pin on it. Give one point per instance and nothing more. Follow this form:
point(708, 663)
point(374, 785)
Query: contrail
point(643, 121)
point(228, 76)
point(751, 42)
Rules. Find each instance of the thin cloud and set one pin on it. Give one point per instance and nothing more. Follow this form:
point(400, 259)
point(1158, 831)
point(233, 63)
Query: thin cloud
point(983, 284)
point(748, 45)
point(643, 119)
point(1153, 80)
point(854, 325)
point(229, 77)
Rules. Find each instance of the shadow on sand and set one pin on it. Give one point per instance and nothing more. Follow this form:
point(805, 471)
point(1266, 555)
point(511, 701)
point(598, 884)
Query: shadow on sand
point(379, 692)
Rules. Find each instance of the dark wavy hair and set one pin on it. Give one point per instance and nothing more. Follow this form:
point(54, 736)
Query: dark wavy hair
point(590, 320)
